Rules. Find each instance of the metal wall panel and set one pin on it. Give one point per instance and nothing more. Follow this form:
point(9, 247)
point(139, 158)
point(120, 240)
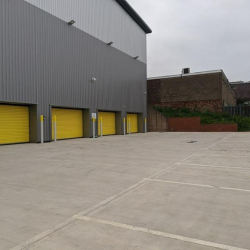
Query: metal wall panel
point(47, 63)
point(103, 19)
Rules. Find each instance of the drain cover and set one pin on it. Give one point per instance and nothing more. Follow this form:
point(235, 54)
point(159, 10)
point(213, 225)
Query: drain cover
point(191, 141)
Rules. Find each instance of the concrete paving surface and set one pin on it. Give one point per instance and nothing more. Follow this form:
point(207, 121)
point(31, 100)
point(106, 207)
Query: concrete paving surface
point(170, 191)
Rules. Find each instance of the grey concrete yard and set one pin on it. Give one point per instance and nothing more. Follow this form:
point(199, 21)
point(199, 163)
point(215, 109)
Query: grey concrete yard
point(142, 191)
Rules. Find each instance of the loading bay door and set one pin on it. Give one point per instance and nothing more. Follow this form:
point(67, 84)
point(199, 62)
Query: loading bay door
point(69, 123)
point(14, 124)
point(108, 123)
point(133, 118)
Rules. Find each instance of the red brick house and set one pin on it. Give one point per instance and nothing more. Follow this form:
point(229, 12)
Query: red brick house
point(209, 90)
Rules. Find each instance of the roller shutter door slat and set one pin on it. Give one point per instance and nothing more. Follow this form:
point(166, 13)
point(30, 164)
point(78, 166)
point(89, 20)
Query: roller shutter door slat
point(69, 123)
point(108, 123)
point(14, 124)
point(133, 123)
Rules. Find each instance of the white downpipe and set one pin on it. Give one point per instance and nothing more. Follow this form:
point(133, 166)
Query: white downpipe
point(42, 136)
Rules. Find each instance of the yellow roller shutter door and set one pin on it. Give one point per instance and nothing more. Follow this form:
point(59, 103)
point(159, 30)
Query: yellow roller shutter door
point(69, 123)
point(108, 123)
point(14, 124)
point(133, 123)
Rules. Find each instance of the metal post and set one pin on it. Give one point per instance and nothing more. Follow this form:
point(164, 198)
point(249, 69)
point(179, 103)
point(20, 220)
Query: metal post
point(124, 125)
point(41, 119)
point(55, 131)
point(101, 126)
point(93, 128)
point(129, 126)
point(145, 125)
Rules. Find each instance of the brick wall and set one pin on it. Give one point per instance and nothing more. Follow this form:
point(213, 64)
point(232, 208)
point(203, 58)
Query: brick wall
point(186, 88)
point(212, 105)
point(198, 91)
point(157, 122)
point(228, 95)
point(242, 90)
point(193, 124)
point(154, 91)
point(184, 124)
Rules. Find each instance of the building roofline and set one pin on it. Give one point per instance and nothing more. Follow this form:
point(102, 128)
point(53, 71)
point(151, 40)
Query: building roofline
point(128, 8)
point(184, 75)
point(239, 83)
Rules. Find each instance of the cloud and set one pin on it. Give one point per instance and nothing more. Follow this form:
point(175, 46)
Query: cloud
point(202, 35)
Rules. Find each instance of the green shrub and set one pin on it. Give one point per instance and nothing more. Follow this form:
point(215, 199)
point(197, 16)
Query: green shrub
point(208, 117)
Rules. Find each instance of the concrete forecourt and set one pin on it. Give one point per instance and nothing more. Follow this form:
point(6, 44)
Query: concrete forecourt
point(140, 191)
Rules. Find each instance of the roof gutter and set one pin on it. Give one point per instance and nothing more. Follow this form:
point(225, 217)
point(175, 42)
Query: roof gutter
point(126, 6)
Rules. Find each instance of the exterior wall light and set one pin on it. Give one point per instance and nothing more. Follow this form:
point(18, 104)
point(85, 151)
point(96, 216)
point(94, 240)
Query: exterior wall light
point(72, 22)
point(110, 43)
point(93, 80)
point(136, 57)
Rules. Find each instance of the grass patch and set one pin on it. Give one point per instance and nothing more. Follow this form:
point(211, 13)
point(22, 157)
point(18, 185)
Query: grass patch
point(208, 117)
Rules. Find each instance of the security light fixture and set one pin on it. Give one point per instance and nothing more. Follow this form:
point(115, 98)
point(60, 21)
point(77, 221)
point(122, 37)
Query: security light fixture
point(93, 80)
point(136, 57)
point(72, 22)
point(110, 43)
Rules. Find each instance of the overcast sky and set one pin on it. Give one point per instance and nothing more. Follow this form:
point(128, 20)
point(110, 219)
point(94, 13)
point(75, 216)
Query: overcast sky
point(198, 34)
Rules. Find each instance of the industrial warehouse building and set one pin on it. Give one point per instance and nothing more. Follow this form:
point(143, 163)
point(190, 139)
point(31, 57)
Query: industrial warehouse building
point(72, 60)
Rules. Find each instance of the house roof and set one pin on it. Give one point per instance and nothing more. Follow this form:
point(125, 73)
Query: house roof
point(128, 8)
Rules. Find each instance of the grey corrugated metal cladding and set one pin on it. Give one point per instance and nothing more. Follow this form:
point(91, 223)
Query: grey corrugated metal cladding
point(107, 20)
point(135, 15)
point(45, 62)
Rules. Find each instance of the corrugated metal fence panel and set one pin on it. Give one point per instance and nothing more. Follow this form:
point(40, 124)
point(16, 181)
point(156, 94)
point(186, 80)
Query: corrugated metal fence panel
point(238, 110)
point(45, 62)
point(103, 19)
